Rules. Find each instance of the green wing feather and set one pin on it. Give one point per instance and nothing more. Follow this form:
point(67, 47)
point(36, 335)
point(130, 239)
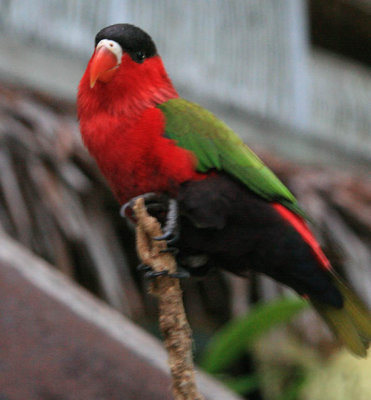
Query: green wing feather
point(216, 146)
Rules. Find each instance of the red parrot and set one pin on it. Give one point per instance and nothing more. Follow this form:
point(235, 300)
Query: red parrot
point(233, 212)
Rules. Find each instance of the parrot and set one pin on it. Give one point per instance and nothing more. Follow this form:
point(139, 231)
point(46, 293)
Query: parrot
point(224, 208)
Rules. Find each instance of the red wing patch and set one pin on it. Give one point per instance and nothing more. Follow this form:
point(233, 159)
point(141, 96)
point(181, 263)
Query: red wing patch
point(302, 228)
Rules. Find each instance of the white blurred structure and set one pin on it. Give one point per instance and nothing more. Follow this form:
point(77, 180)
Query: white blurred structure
point(250, 55)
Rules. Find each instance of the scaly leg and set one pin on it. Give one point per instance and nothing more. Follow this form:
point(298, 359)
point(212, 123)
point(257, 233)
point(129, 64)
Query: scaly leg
point(155, 204)
point(149, 273)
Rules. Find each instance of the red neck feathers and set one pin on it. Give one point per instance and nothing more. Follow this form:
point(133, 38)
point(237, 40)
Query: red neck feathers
point(134, 88)
point(123, 130)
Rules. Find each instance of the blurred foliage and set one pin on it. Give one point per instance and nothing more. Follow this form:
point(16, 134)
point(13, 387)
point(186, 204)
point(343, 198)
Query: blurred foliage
point(343, 377)
point(239, 336)
point(283, 364)
point(290, 369)
point(244, 384)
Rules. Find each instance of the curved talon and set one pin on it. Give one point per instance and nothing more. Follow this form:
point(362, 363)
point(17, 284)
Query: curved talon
point(124, 208)
point(154, 274)
point(170, 229)
point(165, 236)
point(174, 239)
point(144, 267)
point(131, 202)
point(172, 216)
point(172, 250)
point(180, 275)
point(170, 237)
point(176, 275)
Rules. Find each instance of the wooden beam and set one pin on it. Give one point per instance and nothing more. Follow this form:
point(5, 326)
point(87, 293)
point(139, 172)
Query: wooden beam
point(58, 341)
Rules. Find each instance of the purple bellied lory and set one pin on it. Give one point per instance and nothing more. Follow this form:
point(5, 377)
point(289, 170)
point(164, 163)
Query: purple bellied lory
point(233, 212)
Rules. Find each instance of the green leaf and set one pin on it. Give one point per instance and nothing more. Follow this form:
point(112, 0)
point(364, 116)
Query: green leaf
point(242, 385)
point(237, 335)
point(293, 391)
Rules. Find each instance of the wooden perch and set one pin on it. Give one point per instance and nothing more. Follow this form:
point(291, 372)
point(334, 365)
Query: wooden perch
point(172, 319)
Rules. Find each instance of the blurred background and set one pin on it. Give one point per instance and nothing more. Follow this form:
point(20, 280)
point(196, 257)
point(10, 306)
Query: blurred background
point(292, 77)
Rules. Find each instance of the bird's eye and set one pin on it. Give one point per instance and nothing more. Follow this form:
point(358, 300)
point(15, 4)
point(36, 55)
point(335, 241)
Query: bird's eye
point(140, 55)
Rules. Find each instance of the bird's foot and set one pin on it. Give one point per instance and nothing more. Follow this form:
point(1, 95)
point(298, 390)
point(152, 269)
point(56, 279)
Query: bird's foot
point(144, 268)
point(162, 208)
point(170, 228)
point(172, 250)
point(124, 210)
point(150, 274)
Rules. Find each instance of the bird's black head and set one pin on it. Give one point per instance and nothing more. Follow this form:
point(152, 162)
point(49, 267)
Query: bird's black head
point(137, 43)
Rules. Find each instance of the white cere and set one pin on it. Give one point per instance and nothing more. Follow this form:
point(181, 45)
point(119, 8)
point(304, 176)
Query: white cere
point(112, 46)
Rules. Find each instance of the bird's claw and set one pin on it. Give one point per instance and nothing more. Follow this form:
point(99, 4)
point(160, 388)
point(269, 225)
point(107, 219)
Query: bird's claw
point(170, 223)
point(170, 228)
point(131, 203)
point(144, 268)
point(170, 237)
point(172, 250)
point(150, 275)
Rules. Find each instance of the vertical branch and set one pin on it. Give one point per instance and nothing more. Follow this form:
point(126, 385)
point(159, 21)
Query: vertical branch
point(172, 319)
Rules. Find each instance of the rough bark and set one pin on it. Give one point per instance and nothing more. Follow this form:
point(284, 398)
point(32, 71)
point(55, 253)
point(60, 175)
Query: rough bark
point(172, 318)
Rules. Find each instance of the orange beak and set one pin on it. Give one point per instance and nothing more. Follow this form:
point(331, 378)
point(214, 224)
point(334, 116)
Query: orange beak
point(103, 66)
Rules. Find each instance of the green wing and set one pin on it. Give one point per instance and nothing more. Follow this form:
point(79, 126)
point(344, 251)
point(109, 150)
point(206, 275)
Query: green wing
point(216, 146)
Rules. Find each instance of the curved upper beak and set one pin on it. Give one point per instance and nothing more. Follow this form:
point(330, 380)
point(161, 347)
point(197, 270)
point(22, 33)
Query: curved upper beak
point(103, 65)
